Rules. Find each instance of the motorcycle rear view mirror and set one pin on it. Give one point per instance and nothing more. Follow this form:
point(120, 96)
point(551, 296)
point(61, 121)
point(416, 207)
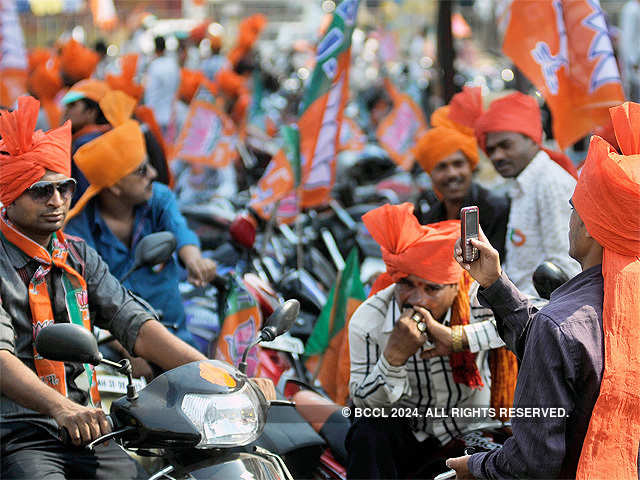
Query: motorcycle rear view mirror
point(153, 249)
point(547, 277)
point(67, 342)
point(280, 321)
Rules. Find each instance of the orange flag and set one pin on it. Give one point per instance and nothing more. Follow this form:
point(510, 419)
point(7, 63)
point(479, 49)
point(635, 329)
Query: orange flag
point(401, 129)
point(564, 50)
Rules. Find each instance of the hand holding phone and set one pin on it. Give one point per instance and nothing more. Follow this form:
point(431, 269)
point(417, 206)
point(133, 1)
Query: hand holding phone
point(469, 228)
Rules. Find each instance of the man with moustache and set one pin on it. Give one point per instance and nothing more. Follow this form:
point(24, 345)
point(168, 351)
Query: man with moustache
point(541, 184)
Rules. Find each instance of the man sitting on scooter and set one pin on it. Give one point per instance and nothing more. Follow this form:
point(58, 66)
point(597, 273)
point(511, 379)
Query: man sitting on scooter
point(123, 204)
point(424, 295)
point(47, 278)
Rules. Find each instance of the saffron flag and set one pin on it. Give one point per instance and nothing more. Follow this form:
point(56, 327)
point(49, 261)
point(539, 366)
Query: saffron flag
point(564, 49)
point(208, 136)
point(323, 105)
point(330, 337)
point(401, 128)
point(104, 14)
point(280, 179)
point(13, 56)
point(352, 137)
point(240, 326)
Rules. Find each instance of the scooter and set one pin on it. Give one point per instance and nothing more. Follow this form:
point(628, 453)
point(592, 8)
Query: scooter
point(199, 414)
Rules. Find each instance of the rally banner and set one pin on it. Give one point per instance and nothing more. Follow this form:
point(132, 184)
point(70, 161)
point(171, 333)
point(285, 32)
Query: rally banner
point(401, 128)
point(563, 48)
point(241, 324)
point(278, 183)
point(208, 136)
point(352, 138)
point(104, 14)
point(323, 105)
point(330, 337)
point(13, 55)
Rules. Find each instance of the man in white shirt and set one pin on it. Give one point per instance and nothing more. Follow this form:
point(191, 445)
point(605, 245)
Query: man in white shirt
point(161, 87)
point(541, 184)
point(425, 297)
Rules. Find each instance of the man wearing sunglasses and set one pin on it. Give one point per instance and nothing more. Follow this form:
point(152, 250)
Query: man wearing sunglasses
point(123, 204)
point(46, 278)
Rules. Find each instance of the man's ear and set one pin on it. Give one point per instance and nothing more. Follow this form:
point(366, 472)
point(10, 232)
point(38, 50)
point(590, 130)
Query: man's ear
point(114, 190)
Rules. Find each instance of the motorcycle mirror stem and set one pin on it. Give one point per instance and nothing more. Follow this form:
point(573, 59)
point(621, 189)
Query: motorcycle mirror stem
point(278, 323)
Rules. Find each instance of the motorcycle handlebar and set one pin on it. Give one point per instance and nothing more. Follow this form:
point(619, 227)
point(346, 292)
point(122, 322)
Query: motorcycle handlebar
point(65, 438)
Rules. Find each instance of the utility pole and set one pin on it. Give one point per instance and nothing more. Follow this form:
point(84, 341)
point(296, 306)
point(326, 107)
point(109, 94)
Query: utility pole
point(446, 52)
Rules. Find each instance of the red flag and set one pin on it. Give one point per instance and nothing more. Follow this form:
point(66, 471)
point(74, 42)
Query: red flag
point(564, 50)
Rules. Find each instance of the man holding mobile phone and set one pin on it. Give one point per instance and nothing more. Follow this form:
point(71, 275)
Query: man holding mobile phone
point(581, 352)
point(421, 342)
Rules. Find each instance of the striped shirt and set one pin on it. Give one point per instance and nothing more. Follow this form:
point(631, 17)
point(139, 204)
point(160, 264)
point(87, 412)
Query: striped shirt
point(423, 384)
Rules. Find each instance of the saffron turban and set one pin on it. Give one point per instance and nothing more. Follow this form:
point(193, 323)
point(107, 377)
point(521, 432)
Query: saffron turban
point(607, 198)
point(521, 114)
point(125, 81)
point(449, 135)
point(26, 153)
point(78, 62)
point(92, 89)
point(409, 248)
point(113, 155)
point(190, 80)
point(248, 32)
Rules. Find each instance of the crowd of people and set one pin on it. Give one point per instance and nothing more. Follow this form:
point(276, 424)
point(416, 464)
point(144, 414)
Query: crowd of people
point(84, 176)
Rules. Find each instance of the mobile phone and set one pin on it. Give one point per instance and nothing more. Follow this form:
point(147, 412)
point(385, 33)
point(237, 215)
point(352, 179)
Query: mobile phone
point(446, 475)
point(469, 228)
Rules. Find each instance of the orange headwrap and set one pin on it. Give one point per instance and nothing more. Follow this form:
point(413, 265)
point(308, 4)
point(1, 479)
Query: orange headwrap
point(190, 80)
point(411, 248)
point(519, 113)
point(38, 56)
point(124, 81)
point(607, 198)
point(44, 82)
point(30, 153)
point(91, 88)
point(113, 155)
point(449, 136)
point(248, 32)
point(77, 61)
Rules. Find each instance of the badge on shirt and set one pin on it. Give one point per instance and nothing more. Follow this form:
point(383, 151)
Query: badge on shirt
point(517, 237)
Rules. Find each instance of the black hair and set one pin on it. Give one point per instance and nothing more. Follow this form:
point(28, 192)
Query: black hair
point(374, 95)
point(160, 44)
point(100, 47)
point(91, 105)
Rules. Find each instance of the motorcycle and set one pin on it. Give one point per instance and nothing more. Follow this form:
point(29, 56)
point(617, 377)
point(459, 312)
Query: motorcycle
point(199, 414)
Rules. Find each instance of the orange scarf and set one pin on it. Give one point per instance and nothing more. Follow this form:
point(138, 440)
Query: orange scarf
point(52, 372)
point(607, 198)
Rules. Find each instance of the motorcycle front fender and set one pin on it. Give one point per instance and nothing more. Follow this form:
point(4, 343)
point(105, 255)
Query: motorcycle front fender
point(258, 465)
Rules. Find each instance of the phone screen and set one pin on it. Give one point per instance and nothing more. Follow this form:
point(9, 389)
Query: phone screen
point(471, 224)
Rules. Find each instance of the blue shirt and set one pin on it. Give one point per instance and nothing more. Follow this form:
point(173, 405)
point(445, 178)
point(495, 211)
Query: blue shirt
point(159, 288)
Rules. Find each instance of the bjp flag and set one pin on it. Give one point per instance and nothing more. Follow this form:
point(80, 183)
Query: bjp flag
point(564, 49)
point(401, 128)
point(323, 105)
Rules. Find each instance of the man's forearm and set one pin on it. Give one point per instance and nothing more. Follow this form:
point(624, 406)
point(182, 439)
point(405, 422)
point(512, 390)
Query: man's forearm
point(156, 344)
point(19, 383)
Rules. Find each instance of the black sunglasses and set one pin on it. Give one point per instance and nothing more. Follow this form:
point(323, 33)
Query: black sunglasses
point(43, 191)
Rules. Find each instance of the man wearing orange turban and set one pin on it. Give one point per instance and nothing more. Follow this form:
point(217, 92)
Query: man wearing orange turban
point(449, 154)
point(123, 203)
point(430, 298)
point(46, 278)
point(510, 132)
point(77, 62)
point(582, 351)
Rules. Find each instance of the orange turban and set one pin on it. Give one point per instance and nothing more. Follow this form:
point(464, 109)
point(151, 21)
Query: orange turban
point(38, 56)
point(190, 80)
point(91, 88)
point(248, 32)
point(409, 248)
point(518, 113)
point(124, 81)
point(449, 136)
point(607, 198)
point(44, 82)
point(77, 61)
point(113, 155)
point(30, 153)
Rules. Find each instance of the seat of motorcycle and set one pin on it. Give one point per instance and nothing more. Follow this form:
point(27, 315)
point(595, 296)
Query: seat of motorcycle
point(334, 431)
point(289, 435)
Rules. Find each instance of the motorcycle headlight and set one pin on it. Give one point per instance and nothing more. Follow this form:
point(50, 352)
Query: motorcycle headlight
point(225, 420)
